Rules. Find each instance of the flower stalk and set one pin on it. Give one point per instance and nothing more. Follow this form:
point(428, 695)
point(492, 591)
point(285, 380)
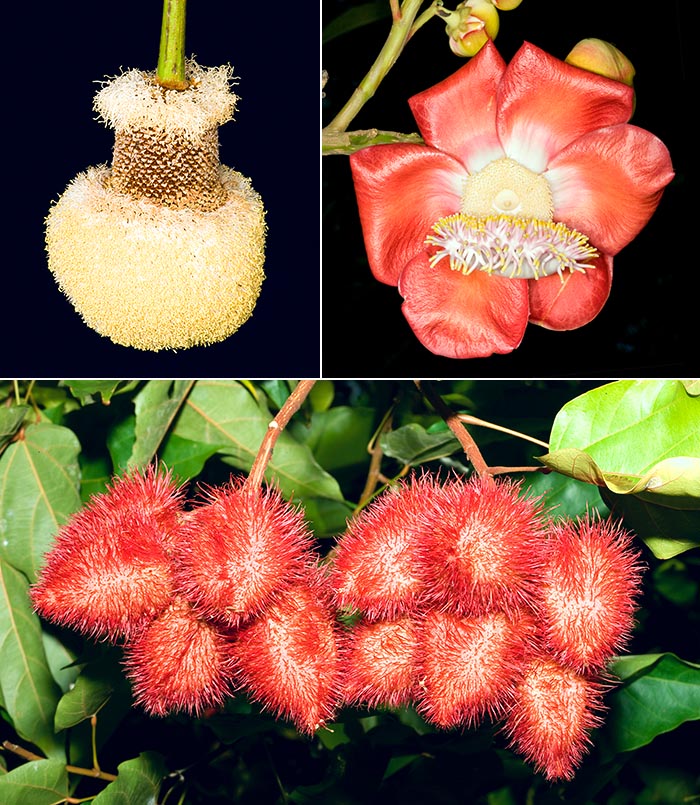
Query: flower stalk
point(171, 57)
point(401, 29)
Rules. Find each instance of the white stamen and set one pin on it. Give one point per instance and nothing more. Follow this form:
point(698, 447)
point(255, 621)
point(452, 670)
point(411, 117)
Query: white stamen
point(517, 248)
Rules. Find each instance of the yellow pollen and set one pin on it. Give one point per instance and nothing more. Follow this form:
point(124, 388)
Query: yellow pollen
point(505, 187)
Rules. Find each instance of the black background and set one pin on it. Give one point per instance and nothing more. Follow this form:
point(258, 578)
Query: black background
point(54, 54)
point(649, 324)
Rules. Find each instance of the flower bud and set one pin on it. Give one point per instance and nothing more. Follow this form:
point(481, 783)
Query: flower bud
point(470, 26)
point(602, 58)
point(506, 5)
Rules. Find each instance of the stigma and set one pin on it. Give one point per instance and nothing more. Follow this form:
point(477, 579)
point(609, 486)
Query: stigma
point(516, 248)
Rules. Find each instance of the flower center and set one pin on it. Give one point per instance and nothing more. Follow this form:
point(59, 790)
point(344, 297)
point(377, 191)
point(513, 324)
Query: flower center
point(517, 248)
point(505, 187)
point(505, 227)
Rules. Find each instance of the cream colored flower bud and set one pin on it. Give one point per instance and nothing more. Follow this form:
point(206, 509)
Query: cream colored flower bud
point(470, 26)
point(598, 56)
point(165, 248)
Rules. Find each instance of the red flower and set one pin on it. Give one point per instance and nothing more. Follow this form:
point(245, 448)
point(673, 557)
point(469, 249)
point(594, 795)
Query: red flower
point(484, 547)
point(380, 666)
point(287, 657)
point(109, 570)
point(180, 662)
point(554, 710)
point(589, 589)
point(240, 549)
point(529, 183)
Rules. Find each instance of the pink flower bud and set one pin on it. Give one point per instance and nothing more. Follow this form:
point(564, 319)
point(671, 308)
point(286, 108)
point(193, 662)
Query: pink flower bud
point(598, 56)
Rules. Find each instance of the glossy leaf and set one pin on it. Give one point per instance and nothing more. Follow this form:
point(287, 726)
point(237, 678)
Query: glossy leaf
point(39, 782)
point(89, 694)
point(667, 532)
point(29, 691)
point(185, 457)
point(156, 406)
point(563, 496)
point(223, 413)
point(638, 437)
point(659, 692)
point(10, 422)
point(339, 436)
point(138, 781)
point(413, 444)
point(84, 390)
point(39, 478)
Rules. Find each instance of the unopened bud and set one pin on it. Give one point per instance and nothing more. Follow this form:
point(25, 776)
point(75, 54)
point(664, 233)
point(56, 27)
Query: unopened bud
point(506, 5)
point(470, 26)
point(602, 58)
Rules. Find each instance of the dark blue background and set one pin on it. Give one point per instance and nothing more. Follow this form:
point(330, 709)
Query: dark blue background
point(54, 54)
point(649, 324)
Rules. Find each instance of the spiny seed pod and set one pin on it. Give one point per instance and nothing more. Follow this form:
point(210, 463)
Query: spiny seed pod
point(590, 584)
point(378, 566)
point(179, 662)
point(165, 249)
point(484, 546)
point(381, 663)
point(109, 571)
point(288, 658)
point(240, 549)
point(470, 666)
point(554, 710)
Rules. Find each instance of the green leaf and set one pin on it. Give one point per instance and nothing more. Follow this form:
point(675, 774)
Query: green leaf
point(39, 477)
point(89, 694)
point(321, 395)
point(222, 413)
point(339, 436)
point(156, 406)
point(11, 420)
point(667, 532)
point(28, 688)
point(638, 437)
point(185, 457)
point(563, 496)
point(84, 389)
point(61, 656)
point(659, 692)
point(412, 444)
point(139, 782)
point(39, 782)
point(355, 18)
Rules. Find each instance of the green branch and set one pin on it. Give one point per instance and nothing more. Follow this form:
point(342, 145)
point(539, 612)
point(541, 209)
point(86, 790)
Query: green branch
point(171, 57)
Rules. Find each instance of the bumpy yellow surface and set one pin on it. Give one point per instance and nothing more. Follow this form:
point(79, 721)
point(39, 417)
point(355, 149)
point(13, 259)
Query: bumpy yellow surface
point(152, 277)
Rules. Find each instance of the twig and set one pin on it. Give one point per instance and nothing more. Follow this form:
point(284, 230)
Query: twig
point(291, 405)
point(374, 475)
point(472, 420)
point(27, 755)
point(453, 422)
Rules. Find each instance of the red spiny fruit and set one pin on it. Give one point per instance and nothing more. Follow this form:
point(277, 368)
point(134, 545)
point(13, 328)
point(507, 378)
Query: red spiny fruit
point(287, 658)
point(108, 571)
point(378, 562)
point(180, 662)
point(381, 663)
point(238, 550)
point(469, 666)
point(554, 710)
point(484, 546)
point(589, 588)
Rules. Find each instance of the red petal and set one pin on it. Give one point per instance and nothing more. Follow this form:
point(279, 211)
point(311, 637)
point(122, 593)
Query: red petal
point(402, 190)
point(574, 302)
point(608, 183)
point(458, 115)
point(463, 316)
point(544, 104)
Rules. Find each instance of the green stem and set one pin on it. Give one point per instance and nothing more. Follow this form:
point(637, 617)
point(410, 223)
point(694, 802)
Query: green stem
point(398, 36)
point(171, 57)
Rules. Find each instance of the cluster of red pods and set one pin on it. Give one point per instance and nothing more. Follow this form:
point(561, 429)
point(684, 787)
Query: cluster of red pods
point(462, 598)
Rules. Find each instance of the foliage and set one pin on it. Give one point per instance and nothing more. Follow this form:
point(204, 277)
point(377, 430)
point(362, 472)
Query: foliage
point(629, 447)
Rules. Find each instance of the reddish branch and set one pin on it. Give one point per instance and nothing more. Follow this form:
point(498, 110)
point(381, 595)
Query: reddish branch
point(292, 404)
